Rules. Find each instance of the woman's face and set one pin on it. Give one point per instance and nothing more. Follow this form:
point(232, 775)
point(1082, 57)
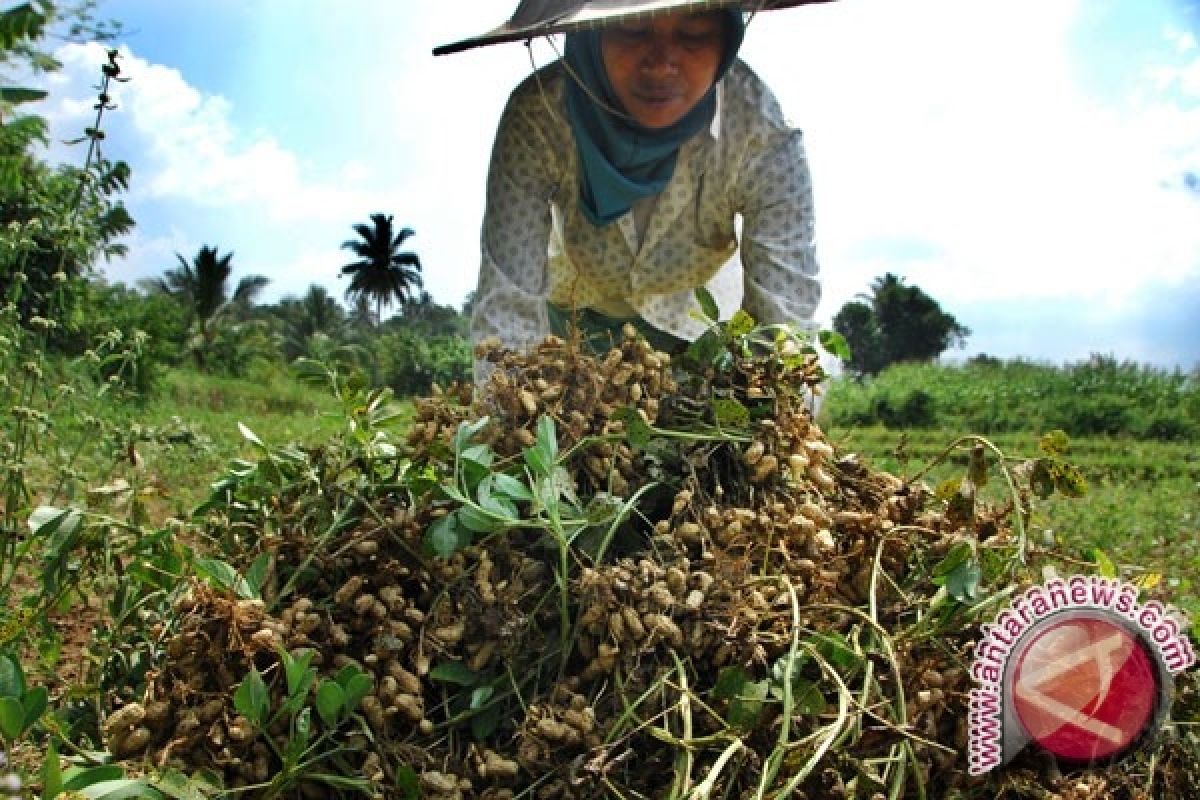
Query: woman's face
point(660, 68)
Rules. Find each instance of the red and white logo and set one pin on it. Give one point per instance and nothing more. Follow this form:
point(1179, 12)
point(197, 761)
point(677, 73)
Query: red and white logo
point(1084, 689)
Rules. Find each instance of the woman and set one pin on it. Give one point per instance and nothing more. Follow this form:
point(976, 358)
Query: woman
point(618, 177)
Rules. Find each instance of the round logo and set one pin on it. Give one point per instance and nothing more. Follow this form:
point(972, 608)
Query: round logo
point(1085, 688)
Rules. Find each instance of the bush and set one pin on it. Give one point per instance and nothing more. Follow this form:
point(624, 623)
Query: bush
point(1167, 425)
point(905, 408)
point(410, 363)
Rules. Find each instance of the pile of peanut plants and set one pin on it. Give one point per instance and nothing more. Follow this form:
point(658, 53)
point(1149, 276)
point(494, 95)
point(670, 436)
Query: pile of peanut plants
point(613, 576)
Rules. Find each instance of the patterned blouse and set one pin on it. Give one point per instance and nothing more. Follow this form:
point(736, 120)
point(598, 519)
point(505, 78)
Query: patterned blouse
point(538, 247)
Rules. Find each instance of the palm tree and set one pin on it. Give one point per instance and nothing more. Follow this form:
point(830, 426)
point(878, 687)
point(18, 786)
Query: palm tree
point(202, 287)
point(316, 314)
point(383, 273)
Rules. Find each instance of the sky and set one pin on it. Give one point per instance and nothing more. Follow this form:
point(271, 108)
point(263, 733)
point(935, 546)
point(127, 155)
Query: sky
point(1034, 165)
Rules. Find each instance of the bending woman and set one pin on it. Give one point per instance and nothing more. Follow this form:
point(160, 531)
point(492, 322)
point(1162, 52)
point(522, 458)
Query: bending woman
point(617, 181)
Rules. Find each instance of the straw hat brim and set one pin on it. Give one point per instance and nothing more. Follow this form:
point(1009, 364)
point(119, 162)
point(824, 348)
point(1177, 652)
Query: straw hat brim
point(598, 13)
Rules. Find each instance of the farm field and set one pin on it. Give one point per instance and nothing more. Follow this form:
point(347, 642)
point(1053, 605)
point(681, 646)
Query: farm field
point(1132, 432)
point(1142, 506)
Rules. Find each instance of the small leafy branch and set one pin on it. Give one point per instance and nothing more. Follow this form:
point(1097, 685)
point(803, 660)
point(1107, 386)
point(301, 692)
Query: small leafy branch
point(489, 502)
point(304, 753)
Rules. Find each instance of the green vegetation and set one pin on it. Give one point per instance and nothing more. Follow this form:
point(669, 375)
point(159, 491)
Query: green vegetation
point(1100, 396)
point(1133, 433)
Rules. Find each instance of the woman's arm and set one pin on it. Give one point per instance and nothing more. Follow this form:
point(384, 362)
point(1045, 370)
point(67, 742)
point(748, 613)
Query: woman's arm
point(510, 301)
point(778, 240)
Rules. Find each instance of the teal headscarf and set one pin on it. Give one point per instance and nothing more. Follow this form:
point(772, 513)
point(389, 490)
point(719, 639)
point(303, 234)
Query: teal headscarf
point(621, 161)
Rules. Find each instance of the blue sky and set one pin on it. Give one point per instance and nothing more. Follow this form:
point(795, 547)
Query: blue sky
point(1033, 164)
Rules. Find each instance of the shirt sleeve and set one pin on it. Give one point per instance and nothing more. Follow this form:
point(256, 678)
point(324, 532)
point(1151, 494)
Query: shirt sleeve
point(778, 239)
point(510, 300)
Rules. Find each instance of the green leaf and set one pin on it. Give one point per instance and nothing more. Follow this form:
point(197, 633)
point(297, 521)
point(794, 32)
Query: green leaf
point(46, 520)
point(1054, 443)
point(730, 413)
point(51, 773)
point(485, 723)
point(356, 689)
point(331, 699)
point(1068, 480)
point(958, 555)
point(963, 582)
point(548, 493)
point(34, 702)
point(301, 733)
point(479, 454)
point(454, 672)
point(535, 459)
point(407, 782)
point(466, 432)
point(746, 707)
point(547, 438)
point(834, 343)
point(20, 22)
point(251, 699)
point(12, 718)
point(1104, 564)
point(297, 672)
point(500, 506)
point(729, 683)
point(346, 674)
point(77, 778)
point(124, 789)
point(480, 695)
point(511, 487)
point(221, 574)
point(446, 536)
point(807, 697)
point(12, 678)
point(835, 650)
point(419, 481)
point(708, 304)
point(256, 573)
point(475, 520)
point(741, 324)
point(704, 351)
point(178, 786)
point(250, 436)
point(637, 432)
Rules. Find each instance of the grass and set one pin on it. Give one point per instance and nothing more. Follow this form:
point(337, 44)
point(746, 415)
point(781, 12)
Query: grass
point(187, 432)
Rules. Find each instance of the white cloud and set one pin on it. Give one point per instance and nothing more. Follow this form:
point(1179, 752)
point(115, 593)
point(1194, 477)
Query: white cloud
point(962, 125)
point(1183, 41)
point(190, 155)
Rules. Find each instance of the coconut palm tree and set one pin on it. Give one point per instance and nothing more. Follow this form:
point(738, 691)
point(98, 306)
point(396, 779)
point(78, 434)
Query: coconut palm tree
point(202, 286)
point(315, 314)
point(382, 273)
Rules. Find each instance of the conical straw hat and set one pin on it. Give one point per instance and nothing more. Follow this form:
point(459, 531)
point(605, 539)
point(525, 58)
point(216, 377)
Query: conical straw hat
point(534, 18)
